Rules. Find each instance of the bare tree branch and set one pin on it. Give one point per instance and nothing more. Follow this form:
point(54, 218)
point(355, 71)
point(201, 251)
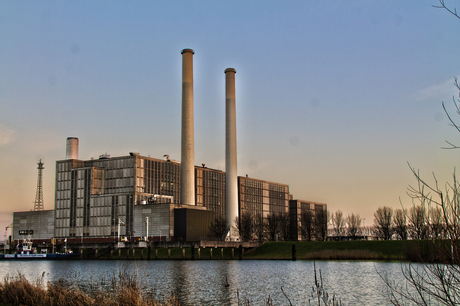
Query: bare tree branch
point(443, 6)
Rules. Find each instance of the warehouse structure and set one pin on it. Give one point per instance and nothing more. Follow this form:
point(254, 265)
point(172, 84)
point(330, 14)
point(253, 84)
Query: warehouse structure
point(38, 224)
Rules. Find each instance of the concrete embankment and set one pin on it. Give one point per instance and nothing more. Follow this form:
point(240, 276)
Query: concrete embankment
point(326, 250)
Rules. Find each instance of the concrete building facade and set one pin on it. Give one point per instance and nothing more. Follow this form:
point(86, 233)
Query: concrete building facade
point(262, 197)
point(37, 225)
point(94, 196)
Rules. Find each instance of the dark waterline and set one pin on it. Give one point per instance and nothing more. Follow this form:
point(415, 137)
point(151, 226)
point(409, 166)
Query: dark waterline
point(203, 282)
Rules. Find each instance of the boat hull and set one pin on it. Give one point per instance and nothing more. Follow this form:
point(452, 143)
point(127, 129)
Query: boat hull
point(50, 256)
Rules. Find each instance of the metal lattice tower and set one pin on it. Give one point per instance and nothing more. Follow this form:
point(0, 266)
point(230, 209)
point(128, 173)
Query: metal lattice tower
point(38, 204)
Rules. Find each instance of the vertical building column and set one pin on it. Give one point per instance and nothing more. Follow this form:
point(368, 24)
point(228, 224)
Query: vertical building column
point(231, 180)
point(187, 189)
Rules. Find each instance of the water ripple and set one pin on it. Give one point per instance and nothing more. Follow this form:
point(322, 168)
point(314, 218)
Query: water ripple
point(221, 282)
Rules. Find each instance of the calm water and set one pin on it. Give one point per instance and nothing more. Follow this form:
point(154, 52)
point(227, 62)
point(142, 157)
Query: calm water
point(203, 282)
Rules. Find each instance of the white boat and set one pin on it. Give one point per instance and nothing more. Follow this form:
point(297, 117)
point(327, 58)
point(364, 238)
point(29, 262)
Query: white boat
point(27, 251)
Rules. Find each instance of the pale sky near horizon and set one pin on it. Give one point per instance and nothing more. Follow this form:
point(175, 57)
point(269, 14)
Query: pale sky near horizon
point(334, 98)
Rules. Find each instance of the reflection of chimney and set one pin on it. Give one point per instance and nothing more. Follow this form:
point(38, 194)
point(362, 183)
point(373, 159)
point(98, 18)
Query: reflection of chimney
point(187, 180)
point(231, 180)
point(72, 148)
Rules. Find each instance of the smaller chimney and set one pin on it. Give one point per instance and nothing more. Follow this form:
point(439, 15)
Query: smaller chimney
point(72, 148)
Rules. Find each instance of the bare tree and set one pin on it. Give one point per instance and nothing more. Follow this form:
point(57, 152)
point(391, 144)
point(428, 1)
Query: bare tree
point(383, 222)
point(418, 222)
point(284, 226)
point(307, 225)
point(259, 227)
point(400, 223)
point(272, 224)
point(436, 283)
point(338, 222)
point(320, 222)
point(435, 223)
point(245, 226)
point(353, 225)
point(218, 227)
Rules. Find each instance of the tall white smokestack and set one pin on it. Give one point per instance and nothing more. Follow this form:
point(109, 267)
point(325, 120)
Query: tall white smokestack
point(231, 180)
point(72, 148)
point(187, 180)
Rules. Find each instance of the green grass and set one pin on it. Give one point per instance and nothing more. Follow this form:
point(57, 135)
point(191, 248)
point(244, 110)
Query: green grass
point(390, 250)
point(327, 250)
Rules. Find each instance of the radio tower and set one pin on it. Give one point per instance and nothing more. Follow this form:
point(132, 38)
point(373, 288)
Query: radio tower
point(38, 204)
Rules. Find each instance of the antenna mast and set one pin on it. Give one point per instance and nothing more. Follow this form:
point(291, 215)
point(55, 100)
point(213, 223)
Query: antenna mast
point(38, 204)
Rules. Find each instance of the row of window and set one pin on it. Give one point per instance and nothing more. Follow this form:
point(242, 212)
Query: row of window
point(61, 232)
point(119, 173)
point(62, 223)
point(94, 231)
point(115, 163)
point(251, 183)
point(162, 166)
point(106, 201)
point(64, 166)
point(94, 221)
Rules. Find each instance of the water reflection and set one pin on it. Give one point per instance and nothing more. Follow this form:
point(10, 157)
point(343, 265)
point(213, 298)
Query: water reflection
point(220, 282)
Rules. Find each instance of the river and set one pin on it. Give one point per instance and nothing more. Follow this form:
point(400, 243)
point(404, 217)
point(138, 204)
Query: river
point(203, 282)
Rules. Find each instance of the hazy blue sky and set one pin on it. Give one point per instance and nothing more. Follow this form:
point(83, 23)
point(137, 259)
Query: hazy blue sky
point(333, 97)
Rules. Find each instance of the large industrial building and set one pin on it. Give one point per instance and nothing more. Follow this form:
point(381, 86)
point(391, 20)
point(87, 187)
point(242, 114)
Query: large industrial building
point(94, 196)
point(127, 196)
point(138, 197)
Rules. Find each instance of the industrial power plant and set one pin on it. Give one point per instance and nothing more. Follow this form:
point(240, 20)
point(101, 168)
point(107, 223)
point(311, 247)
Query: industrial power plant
point(138, 199)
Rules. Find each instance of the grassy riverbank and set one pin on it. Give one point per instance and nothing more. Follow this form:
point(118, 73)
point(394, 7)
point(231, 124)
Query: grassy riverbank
point(331, 250)
point(313, 250)
point(170, 253)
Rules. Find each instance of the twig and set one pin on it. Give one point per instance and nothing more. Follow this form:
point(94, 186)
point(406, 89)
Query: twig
point(286, 296)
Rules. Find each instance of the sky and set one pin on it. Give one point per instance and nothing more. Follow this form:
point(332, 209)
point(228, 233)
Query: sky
point(333, 98)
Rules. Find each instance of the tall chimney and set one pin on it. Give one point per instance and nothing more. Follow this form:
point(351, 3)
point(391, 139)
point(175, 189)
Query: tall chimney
point(187, 180)
point(231, 180)
point(72, 148)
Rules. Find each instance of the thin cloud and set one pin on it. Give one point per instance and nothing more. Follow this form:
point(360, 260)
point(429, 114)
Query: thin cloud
point(439, 91)
point(6, 135)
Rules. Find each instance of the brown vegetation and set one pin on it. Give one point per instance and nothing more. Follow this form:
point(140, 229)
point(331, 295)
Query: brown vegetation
point(125, 290)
